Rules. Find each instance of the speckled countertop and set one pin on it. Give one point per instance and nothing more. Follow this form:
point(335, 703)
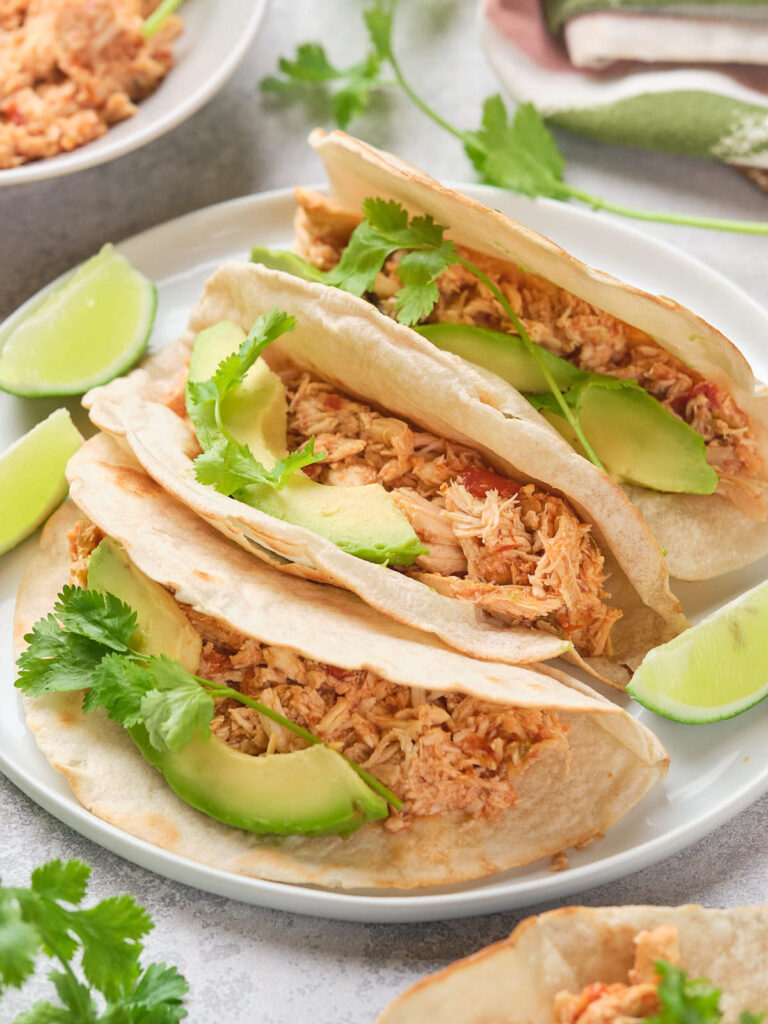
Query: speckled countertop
point(247, 964)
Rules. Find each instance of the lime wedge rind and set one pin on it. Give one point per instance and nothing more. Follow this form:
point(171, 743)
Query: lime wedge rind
point(50, 305)
point(32, 480)
point(688, 714)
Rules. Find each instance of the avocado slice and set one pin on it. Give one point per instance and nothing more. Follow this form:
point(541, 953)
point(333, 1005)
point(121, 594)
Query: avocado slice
point(504, 354)
point(362, 521)
point(634, 436)
point(310, 792)
point(288, 262)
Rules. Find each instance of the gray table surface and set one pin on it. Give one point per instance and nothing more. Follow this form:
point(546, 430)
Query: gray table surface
point(245, 963)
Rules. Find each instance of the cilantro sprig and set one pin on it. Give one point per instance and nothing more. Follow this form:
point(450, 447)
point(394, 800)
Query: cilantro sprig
point(685, 1000)
point(225, 463)
point(108, 985)
point(518, 153)
point(85, 644)
point(425, 254)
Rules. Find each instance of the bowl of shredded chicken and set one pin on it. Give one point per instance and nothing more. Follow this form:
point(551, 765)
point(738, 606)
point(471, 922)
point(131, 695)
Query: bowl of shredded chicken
point(70, 69)
point(84, 81)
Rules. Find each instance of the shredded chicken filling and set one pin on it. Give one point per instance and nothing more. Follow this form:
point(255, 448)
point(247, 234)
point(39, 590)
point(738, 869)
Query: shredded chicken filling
point(514, 551)
point(570, 328)
point(620, 1003)
point(437, 752)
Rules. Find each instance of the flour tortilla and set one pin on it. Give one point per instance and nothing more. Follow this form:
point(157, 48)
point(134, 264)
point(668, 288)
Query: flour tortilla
point(365, 353)
point(613, 760)
point(515, 981)
point(704, 535)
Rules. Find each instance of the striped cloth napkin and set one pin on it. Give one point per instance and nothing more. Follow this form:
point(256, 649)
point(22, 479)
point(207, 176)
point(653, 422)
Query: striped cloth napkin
point(676, 75)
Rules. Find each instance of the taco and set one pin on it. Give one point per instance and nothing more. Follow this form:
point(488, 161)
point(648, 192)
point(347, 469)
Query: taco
point(604, 965)
point(669, 405)
point(420, 767)
point(495, 535)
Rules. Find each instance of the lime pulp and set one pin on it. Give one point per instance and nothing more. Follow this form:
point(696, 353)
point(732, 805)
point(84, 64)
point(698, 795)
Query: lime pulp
point(80, 331)
point(714, 670)
point(32, 481)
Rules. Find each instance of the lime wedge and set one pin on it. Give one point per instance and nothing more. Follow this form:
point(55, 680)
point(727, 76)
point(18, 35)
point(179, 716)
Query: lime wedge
point(78, 332)
point(715, 670)
point(32, 481)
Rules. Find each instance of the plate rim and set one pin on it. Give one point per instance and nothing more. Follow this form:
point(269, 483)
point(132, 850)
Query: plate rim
point(485, 895)
point(80, 159)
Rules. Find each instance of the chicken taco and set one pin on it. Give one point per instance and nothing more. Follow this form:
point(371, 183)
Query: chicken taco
point(645, 388)
point(605, 965)
point(301, 736)
point(352, 451)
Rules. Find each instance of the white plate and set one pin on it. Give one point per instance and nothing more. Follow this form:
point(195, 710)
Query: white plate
point(213, 43)
point(716, 770)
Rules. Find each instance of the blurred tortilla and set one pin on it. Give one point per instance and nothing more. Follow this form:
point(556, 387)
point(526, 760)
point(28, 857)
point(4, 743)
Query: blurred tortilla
point(515, 981)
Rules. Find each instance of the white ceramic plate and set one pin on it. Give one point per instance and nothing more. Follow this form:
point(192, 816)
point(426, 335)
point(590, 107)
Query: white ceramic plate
point(716, 770)
point(213, 43)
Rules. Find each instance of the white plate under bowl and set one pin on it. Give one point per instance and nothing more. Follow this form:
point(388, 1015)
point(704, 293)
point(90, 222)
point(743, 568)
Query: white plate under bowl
point(716, 770)
point(215, 39)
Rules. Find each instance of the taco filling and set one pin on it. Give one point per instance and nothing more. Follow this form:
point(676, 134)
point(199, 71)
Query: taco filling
point(620, 1003)
point(515, 551)
point(437, 752)
point(569, 328)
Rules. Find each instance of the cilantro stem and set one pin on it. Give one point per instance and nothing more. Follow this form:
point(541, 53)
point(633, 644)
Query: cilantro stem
point(158, 17)
point(218, 690)
point(414, 96)
point(84, 1004)
point(745, 227)
point(537, 356)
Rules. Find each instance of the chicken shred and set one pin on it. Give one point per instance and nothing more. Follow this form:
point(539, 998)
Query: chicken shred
point(570, 328)
point(618, 1003)
point(513, 550)
point(437, 752)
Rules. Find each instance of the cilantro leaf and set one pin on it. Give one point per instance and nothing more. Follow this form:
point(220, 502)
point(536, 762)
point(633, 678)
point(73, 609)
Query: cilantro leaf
point(684, 1000)
point(386, 230)
point(56, 661)
point(43, 1012)
point(229, 466)
point(156, 999)
point(119, 686)
point(203, 398)
point(311, 68)
point(19, 945)
point(520, 154)
point(110, 934)
point(200, 401)
point(65, 648)
point(361, 260)
point(97, 616)
point(75, 996)
point(378, 21)
point(177, 708)
point(58, 881)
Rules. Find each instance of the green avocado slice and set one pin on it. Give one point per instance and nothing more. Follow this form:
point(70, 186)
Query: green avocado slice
point(504, 354)
point(635, 437)
point(363, 521)
point(288, 262)
point(310, 792)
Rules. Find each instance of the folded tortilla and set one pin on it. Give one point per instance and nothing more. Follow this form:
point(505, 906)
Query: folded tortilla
point(349, 343)
point(565, 796)
point(703, 535)
point(515, 981)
